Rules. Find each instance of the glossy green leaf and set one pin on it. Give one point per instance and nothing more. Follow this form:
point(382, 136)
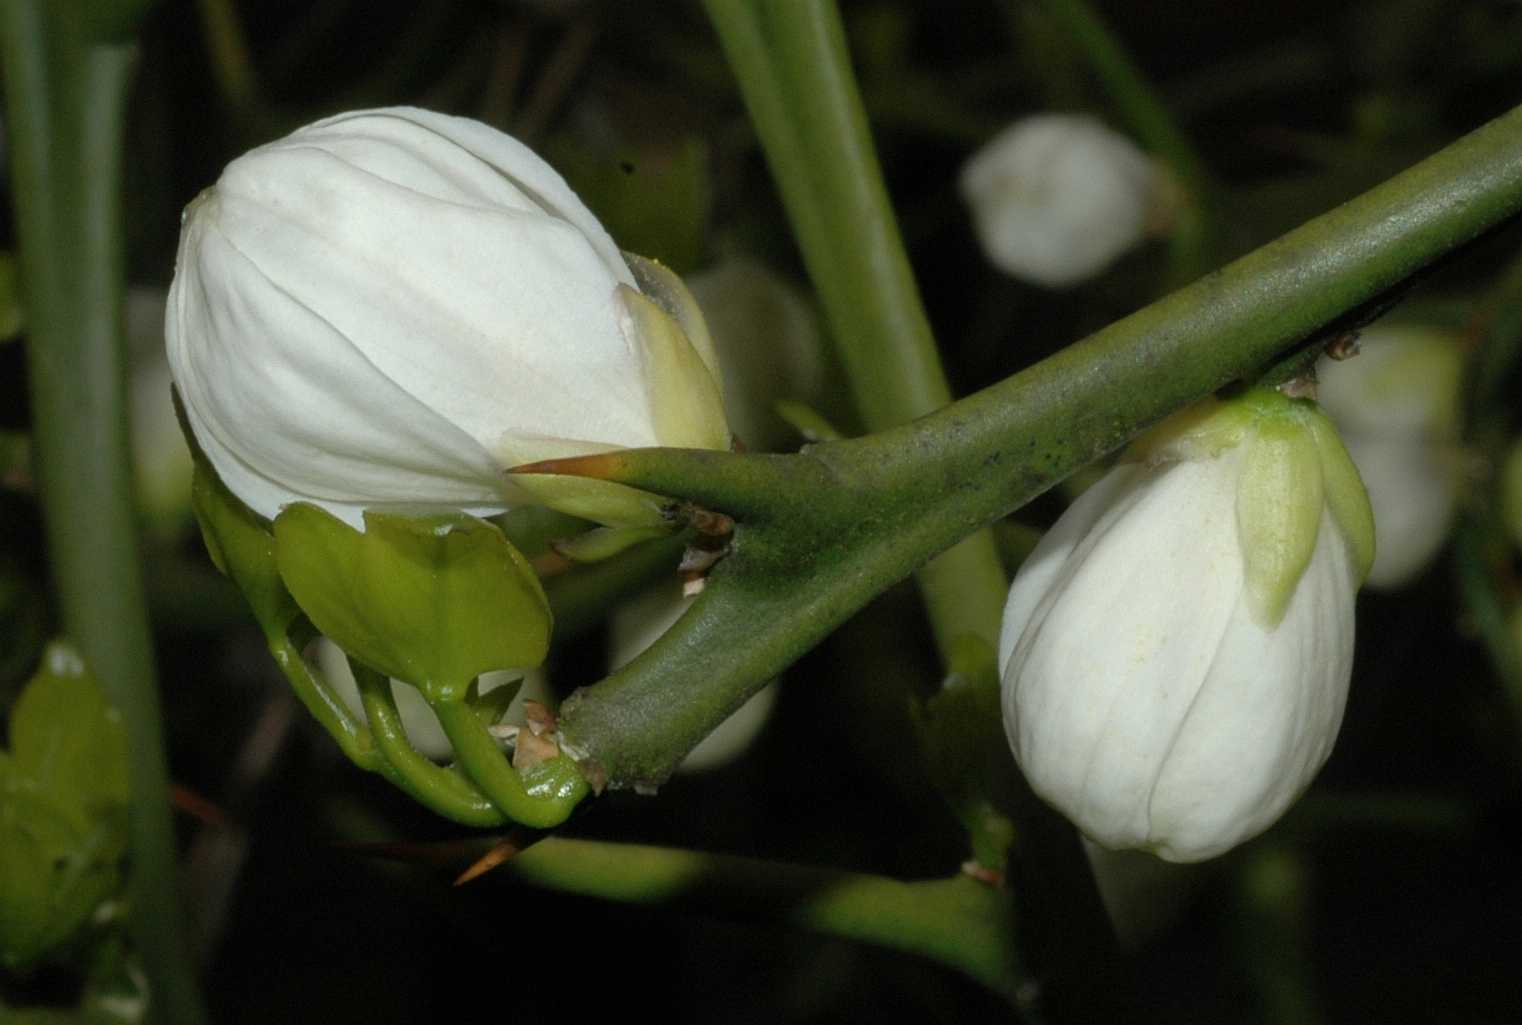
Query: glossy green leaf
point(434, 600)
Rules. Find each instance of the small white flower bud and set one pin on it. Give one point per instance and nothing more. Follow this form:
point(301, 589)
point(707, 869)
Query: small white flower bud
point(1396, 405)
point(1056, 198)
point(391, 307)
point(1176, 651)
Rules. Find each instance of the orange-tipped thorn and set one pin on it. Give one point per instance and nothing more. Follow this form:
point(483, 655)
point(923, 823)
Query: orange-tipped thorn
point(602, 466)
point(502, 852)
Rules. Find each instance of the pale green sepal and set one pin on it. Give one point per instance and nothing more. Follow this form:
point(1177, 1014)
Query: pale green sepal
point(659, 283)
point(432, 600)
point(686, 403)
point(605, 542)
point(1279, 501)
point(807, 421)
point(1201, 431)
point(605, 502)
point(1346, 497)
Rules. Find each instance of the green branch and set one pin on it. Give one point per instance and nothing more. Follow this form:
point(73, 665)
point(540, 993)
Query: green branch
point(65, 100)
point(822, 532)
point(957, 922)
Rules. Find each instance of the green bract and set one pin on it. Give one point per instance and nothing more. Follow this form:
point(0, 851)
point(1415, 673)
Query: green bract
point(63, 809)
point(1295, 467)
point(434, 600)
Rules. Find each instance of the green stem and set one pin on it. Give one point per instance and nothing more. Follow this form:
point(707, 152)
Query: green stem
point(957, 922)
point(824, 531)
point(1146, 114)
point(445, 792)
point(65, 101)
point(792, 65)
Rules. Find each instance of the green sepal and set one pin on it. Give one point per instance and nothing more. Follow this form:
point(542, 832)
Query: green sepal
point(1346, 497)
point(433, 600)
point(606, 542)
point(1201, 431)
point(601, 501)
point(238, 539)
point(682, 383)
point(668, 291)
point(1279, 503)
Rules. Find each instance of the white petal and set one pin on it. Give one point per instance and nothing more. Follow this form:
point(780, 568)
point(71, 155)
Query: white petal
point(500, 320)
point(287, 408)
point(1265, 719)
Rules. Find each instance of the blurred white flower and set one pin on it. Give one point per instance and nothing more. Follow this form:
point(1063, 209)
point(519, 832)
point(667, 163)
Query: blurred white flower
point(1176, 651)
point(1056, 198)
point(390, 307)
point(1396, 405)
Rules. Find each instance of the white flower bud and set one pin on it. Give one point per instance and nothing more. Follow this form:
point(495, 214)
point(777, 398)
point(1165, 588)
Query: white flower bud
point(1056, 198)
point(390, 307)
point(1176, 651)
point(1396, 405)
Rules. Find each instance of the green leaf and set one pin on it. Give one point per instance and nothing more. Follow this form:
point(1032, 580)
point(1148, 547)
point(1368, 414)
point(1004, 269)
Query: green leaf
point(67, 742)
point(433, 600)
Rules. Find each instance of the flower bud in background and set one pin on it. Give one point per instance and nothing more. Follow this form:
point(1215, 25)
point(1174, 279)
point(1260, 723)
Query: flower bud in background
point(1175, 653)
point(1397, 407)
point(767, 338)
point(1057, 198)
point(636, 625)
point(391, 307)
point(161, 462)
point(1511, 492)
point(422, 726)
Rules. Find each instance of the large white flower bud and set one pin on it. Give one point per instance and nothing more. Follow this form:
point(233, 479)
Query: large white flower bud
point(1397, 408)
point(1176, 651)
point(1056, 198)
point(389, 307)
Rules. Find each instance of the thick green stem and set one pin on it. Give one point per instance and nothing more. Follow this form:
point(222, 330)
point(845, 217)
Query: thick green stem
point(791, 61)
point(65, 103)
point(824, 531)
point(957, 922)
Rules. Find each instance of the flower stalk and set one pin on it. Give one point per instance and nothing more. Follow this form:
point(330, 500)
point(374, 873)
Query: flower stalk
point(65, 101)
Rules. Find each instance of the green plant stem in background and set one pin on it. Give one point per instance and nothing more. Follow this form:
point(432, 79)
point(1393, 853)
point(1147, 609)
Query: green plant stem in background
point(1146, 115)
point(957, 922)
point(65, 100)
point(791, 62)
